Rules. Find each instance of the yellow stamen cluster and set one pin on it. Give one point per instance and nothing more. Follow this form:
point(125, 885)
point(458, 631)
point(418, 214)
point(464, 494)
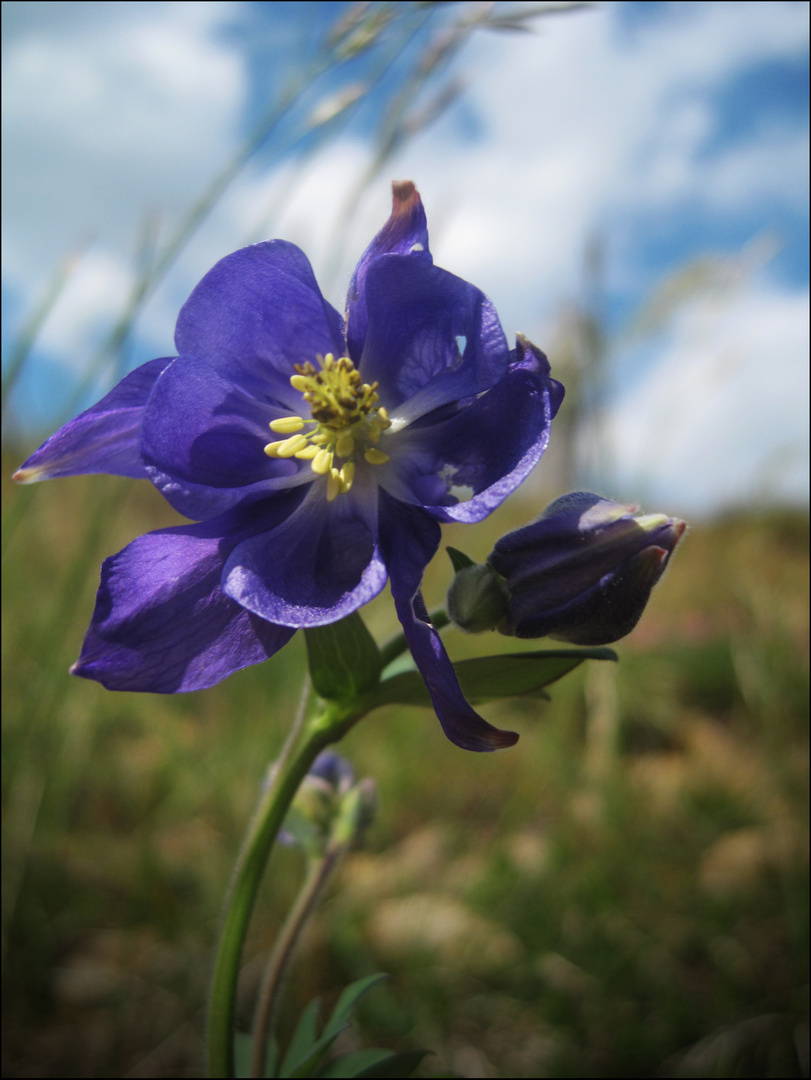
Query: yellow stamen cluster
point(344, 419)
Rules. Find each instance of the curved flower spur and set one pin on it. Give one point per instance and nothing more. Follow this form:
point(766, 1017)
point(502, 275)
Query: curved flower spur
point(317, 457)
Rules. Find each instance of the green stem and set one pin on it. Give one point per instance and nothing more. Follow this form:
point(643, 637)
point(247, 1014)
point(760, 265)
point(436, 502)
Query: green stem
point(248, 872)
point(322, 730)
point(319, 872)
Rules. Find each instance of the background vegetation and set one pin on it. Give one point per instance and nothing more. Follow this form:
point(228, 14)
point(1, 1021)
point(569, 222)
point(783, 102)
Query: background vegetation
point(623, 893)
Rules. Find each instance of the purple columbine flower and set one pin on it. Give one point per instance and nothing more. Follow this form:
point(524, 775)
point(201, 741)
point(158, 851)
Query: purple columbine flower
point(583, 572)
point(317, 456)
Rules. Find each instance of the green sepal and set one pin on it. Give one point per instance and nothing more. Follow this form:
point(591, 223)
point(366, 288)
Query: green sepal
point(305, 833)
point(488, 678)
point(374, 1063)
point(343, 657)
point(459, 559)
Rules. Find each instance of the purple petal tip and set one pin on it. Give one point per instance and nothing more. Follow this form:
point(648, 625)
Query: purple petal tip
point(404, 197)
point(503, 739)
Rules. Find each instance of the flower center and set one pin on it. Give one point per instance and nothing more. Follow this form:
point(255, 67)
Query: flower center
point(345, 420)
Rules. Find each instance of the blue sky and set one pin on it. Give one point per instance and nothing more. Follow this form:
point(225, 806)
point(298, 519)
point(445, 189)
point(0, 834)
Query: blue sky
point(670, 131)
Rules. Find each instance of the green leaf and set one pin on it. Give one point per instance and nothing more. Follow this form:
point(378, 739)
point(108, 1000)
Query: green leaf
point(488, 678)
point(343, 657)
point(459, 559)
point(397, 1065)
point(347, 1001)
point(303, 1064)
point(243, 1048)
point(242, 1054)
point(354, 1063)
point(305, 1040)
point(374, 1063)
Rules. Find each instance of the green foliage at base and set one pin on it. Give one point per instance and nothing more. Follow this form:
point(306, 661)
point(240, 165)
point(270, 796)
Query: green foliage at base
point(307, 1054)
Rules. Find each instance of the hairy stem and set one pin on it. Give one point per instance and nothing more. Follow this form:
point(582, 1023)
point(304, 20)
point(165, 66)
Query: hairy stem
point(328, 727)
point(318, 873)
point(250, 866)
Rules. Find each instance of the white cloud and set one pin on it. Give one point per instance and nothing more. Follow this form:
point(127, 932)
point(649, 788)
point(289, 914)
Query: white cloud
point(132, 106)
point(98, 285)
point(107, 119)
point(774, 167)
point(722, 418)
point(582, 130)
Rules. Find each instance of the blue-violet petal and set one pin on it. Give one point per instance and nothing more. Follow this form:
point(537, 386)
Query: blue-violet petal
point(105, 438)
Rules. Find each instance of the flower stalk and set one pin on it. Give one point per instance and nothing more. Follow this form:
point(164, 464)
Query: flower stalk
point(250, 866)
point(319, 871)
point(320, 731)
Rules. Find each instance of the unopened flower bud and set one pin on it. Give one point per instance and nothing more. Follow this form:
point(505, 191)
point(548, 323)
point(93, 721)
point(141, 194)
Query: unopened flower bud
point(356, 812)
point(319, 803)
point(477, 599)
point(584, 571)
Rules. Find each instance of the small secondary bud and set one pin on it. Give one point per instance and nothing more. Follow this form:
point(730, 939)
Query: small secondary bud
point(477, 599)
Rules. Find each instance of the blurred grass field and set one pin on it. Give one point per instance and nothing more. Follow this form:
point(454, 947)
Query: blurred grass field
point(625, 893)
